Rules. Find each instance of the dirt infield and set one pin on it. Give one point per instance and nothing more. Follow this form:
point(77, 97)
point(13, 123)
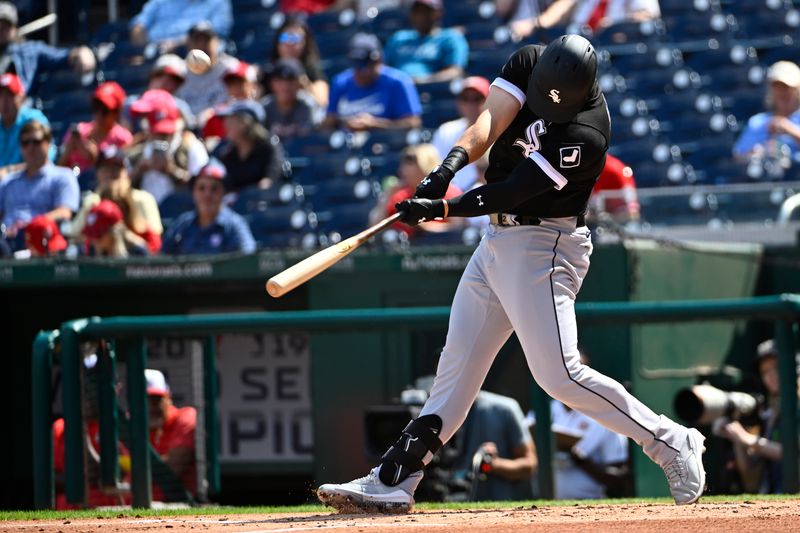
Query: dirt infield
point(713, 517)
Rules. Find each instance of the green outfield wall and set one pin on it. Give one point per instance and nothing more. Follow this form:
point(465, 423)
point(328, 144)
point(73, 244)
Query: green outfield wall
point(351, 371)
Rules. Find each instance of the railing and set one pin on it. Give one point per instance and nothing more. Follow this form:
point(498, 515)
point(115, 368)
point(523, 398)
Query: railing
point(128, 335)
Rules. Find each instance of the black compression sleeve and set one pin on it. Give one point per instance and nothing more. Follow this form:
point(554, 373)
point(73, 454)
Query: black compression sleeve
point(456, 159)
point(525, 181)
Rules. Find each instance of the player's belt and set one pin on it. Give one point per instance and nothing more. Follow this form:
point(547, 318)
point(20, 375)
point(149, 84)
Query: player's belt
point(507, 219)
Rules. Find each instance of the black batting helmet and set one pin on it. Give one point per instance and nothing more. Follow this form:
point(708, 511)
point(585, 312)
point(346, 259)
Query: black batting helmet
point(562, 78)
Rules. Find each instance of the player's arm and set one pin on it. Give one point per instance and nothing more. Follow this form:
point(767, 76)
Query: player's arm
point(498, 113)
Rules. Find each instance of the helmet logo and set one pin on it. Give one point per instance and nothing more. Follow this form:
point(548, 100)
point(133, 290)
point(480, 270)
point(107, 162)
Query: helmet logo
point(554, 96)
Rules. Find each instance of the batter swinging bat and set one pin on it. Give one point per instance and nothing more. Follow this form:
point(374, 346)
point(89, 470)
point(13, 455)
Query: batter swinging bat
point(296, 275)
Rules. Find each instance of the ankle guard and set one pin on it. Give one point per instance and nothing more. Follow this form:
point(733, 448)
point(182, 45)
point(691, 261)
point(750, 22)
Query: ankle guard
point(407, 454)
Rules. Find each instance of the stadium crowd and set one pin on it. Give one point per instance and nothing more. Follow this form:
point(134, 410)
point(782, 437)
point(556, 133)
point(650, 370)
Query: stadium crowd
point(313, 113)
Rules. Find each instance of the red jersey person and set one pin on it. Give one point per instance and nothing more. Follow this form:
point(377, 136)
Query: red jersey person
point(615, 192)
point(172, 432)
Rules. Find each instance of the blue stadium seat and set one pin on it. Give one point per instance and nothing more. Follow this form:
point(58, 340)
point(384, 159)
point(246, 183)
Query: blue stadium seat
point(387, 22)
point(649, 32)
point(253, 199)
point(175, 204)
point(767, 23)
point(345, 219)
point(279, 226)
point(111, 32)
point(331, 193)
point(695, 25)
point(87, 180)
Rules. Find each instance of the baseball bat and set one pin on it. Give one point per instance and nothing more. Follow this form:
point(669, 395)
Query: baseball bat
point(296, 275)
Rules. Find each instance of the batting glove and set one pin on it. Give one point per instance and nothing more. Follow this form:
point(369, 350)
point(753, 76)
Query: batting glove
point(435, 184)
point(418, 210)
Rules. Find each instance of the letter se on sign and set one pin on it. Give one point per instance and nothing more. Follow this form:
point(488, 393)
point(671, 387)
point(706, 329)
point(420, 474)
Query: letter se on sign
point(265, 398)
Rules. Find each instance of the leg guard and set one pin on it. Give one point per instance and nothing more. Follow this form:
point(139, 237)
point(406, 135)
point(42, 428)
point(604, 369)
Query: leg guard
point(407, 454)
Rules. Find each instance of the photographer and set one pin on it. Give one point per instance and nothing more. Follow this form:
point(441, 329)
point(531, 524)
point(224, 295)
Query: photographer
point(758, 451)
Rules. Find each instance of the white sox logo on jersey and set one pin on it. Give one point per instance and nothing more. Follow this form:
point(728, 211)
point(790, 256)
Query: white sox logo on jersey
point(554, 96)
point(532, 132)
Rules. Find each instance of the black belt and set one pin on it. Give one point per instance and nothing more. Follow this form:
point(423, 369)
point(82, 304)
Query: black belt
point(506, 219)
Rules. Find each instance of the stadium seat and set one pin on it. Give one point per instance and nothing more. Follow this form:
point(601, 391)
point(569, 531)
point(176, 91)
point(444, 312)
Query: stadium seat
point(252, 199)
point(387, 22)
point(175, 204)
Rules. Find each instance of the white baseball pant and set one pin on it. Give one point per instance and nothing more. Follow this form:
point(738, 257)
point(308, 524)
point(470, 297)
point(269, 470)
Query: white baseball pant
point(525, 279)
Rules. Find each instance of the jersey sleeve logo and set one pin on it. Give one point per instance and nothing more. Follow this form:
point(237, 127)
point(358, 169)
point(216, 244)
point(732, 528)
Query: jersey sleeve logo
point(570, 157)
point(532, 133)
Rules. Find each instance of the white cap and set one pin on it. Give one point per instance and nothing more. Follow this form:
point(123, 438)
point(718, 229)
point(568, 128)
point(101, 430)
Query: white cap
point(156, 383)
point(171, 64)
point(784, 72)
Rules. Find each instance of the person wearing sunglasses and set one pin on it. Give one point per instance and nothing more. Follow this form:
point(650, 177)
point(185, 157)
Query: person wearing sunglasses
point(84, 140)
point(294, 40)
point(40, 188)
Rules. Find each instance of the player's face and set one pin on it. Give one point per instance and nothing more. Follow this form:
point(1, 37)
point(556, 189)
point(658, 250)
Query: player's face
point(785, 99)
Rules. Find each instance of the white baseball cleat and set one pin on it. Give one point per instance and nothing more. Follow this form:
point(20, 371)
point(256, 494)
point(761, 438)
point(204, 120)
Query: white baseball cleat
point(685, 473)
point(369, 495)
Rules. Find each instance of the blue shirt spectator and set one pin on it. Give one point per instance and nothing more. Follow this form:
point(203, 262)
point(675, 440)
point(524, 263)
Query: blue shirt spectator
point(40, 188)
point(170, 20)
point(371, 94)
point(769, 132)
point(25, 58)
point(210, 228)
point(427, 52)
point(229, 232)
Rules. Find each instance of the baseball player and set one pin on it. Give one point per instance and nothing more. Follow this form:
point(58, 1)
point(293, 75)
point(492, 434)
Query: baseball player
point(548, 125)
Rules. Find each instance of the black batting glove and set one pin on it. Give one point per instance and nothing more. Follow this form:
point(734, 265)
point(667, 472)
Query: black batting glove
point(435, 184)
point(417, 210)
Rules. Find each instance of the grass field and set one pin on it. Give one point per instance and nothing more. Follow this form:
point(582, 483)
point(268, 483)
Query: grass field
point(266, 510)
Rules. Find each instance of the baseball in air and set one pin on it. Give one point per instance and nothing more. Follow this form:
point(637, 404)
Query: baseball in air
point(198, 61)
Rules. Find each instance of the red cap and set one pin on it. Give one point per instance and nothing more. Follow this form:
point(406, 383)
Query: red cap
point(161, 110)
point(43, 236)
point(110, 94)
point(213, 169)
point(241, 70)
point(12, 83)
point(101, 218)
point(476, 83)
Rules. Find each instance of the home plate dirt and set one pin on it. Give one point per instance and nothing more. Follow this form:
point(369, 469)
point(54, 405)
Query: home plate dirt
point(756, 516)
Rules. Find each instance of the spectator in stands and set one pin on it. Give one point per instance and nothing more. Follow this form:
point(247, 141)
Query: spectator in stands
point(170, 154)
point(251, 154)
point(40, 188)
point(13, 115)
point(172, 432)
point(758, 451)
point(495, 428)
point(139, 209)
point(211, 228)
point(371, 95)
point(203, 91)
point(591, 461)
point(241, 83)
point(26, 58)
point(289, 112)
point(43, 238)
point(84, 140)
point(415, 163)
point(309, 7)
point(526, 16)
point(427, 52)
point(169, 72)
point(106, 235)
point(295, 40)
point(615, 193)
point(471, 98)
point(770, 133)
point(167, 21)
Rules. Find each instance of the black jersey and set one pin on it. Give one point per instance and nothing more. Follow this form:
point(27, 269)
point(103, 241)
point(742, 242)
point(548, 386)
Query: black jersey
point(571, 154)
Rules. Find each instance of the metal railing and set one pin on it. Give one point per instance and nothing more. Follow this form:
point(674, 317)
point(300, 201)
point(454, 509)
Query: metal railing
point(128, 335)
